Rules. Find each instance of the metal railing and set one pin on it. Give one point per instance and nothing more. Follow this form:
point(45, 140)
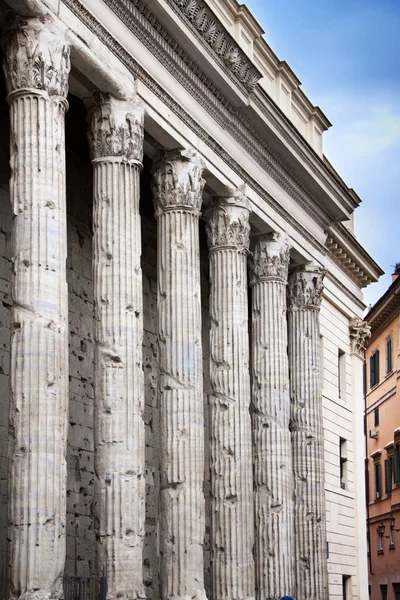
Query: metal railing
point(85, 588)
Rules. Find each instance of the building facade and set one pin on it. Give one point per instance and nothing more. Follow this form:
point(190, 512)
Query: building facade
point(383, 444)
point(181, 299)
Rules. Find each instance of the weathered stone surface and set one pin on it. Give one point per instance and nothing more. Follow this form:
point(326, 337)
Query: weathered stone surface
point(310, 561)
point(116, 140)
point(177, 190)
point(232, 523)
point(36, 68)
point(273, 477)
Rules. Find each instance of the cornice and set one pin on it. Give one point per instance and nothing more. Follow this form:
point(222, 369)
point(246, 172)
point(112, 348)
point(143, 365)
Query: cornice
point(348, 253)
point(215, 39)
point(137, 17)
point(139, 72)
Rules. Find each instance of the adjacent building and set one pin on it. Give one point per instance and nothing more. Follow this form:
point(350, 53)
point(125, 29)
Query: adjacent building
point(181, 333)
point(382, 444)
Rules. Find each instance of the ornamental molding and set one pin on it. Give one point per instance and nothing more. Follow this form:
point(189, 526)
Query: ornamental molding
point(306, 285)
point(227, 223)
point(116, 129)
point(177, 182)
point(135, 68)
point(270, 257)
point(137, 17)
point(360, 333)
point(36, 56)
point(201, 19)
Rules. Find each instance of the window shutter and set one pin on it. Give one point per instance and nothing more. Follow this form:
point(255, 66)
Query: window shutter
point(396, 457)
point(388, 476)
point(376, 367)
point(378, 483)
point(372, 370)
point(389, 355)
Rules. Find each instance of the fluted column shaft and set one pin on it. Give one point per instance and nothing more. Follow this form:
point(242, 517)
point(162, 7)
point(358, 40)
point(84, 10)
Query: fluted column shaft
point(116, 140)
point(36, 67)
point(273, 477)
point(232, 524)
point(177, 190)
point(305, 292)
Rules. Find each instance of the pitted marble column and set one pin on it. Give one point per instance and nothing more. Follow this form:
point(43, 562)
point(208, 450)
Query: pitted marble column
point(273, 489)
point(36, 67)
point(116, 141)
point(177, 189)
point(305, 294)
point(232, 523)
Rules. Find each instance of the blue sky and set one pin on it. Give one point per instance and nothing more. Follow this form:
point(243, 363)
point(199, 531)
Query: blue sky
point(347, 56)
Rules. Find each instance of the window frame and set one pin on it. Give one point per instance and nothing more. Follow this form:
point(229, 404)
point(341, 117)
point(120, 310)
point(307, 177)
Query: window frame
point(389, 354)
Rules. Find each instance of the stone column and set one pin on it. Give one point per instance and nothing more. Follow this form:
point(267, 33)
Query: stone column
point(177, 189)
point(36, 68)
point(232, 522)
point(360, 332)
point(116, 141)
point(310, 562)
point(273, 487)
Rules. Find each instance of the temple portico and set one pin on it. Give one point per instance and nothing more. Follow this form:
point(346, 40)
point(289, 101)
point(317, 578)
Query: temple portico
point(168, 286)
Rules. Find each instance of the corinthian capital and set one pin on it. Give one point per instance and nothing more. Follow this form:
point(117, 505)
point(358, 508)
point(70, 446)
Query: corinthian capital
point(306, 287)
point(270, 258)
point(177, 181)
point(36, 57)
point(116, 129)
point(360, 332)
point(228, 223)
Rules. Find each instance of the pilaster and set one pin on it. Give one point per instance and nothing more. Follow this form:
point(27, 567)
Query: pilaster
point(310, 561)
point(177, 190)
point(232, 523)
point(116, 142)
point(360, 332)
point(36, 68)
point(273, 479)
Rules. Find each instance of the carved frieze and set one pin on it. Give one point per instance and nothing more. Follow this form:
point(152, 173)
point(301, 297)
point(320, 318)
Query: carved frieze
point(270, 257)
point(306, 287)
point(228, 223)
point(360, 332)
point(177, 181)
point(36, 56)
point(116, 129)
point(215, 35)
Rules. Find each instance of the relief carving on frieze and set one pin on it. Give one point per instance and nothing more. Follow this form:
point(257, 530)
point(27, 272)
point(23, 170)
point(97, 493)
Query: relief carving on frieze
point(215, 35)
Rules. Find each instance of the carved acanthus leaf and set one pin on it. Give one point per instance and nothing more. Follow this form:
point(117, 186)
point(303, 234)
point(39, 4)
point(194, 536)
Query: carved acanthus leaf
point(116, 129)
point(360, 332)
point(270, 257)
point(177, 181)
point(306, 287)
point(36, 57)
point(228, 223)
point(214, 34)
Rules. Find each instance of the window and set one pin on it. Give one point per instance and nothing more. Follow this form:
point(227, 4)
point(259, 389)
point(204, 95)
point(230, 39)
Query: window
point(378, 480)
point(374, 369)
point(343, 463)
point(383, 592)
point(396, 590)
point(346, 587)
point(342, 374)
point(381, 532)
point(388, 475)
point(391, 532)
point(366, 482)
point(389, 354)
point(396, 463)
point(376, 417)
